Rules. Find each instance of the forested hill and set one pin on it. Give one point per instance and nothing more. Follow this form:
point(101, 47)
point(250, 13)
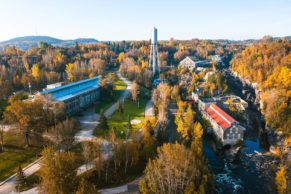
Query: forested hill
point(24, 43)
point(268, 63)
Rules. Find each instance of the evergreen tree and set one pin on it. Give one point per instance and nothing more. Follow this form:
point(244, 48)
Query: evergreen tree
point(20, 178)
point(128, 127)
point(119, 107)
point(103, 124)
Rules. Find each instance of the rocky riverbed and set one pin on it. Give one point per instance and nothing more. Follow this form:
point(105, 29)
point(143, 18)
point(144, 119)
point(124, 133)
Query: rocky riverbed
point(245, 169)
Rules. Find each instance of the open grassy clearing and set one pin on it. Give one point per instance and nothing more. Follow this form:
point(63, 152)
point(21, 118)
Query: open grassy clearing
point(131, 110)
point(119, 87)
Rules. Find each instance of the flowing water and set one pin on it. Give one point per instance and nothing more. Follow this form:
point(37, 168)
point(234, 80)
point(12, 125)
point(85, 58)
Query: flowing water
point(251, 173)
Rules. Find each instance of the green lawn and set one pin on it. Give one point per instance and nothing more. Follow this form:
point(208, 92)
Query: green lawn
point(15, 153)
point(119, 121)
point(119, 87)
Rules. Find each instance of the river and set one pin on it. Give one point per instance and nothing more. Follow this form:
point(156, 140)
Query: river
point(252, 171)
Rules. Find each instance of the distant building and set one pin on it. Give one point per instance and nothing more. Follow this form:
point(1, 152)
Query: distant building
point(224, 126)
point(52, 86)
point(236, 101)
point(215, 58)
point(192, 62)
point(76, 96)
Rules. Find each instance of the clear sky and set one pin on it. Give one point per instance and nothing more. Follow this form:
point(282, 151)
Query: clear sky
point(133, 19)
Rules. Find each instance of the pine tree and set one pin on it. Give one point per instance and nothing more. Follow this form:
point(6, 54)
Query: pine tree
point(119, 107)
point(103, 124)
point(128, 127)
point(20, 178)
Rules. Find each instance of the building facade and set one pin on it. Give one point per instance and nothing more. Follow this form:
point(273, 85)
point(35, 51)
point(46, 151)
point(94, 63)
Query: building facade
point(75, 96)
point(191, 63)
point(226, 129)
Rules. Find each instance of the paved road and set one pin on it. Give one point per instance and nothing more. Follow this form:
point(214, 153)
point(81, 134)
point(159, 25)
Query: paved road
point(171, 127)
point(131, 187)
point(88, 122)
point(149, 112)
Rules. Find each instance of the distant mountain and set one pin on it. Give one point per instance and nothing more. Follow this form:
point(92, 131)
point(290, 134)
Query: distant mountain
point(24, 43)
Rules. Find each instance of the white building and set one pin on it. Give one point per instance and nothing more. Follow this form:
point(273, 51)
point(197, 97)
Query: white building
point(215, 58)
point(192, 62)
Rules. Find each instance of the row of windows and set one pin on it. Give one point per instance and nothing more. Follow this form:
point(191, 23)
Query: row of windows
point(75, 104)
point(233, 136)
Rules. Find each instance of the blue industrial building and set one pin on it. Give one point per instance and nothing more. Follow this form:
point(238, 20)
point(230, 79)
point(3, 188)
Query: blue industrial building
point(77, 95)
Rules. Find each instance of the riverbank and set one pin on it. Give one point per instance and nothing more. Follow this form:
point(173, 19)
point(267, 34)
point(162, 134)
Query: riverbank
point(251, 168)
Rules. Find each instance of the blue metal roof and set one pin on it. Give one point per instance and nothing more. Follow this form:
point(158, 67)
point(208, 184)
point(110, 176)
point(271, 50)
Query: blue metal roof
point(70, 90)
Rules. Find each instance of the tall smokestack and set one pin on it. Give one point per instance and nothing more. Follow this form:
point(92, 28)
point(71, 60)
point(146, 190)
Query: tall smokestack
point(154, 64)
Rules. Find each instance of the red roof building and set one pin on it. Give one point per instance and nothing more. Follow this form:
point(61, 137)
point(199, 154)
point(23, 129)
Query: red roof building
point(226, 129)
point(219, 116)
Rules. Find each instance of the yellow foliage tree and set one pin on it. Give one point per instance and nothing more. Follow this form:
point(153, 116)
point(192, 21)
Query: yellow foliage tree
point(196, 145)
point(35, 72)
point(69, 71)
point(281, 182)
point(121, 57)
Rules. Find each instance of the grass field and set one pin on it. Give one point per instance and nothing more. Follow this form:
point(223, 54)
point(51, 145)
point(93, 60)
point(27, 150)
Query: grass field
point(119, 86)
point(119, 121)
point(16, 154)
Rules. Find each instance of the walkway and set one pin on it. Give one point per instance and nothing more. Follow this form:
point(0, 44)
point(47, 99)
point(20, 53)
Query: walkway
point(149, 112)
point(131, 187)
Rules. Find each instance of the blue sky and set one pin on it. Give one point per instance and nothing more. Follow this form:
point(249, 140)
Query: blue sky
point(133, 19)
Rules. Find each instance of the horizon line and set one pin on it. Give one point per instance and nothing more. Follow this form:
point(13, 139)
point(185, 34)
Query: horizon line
point(120, 40)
